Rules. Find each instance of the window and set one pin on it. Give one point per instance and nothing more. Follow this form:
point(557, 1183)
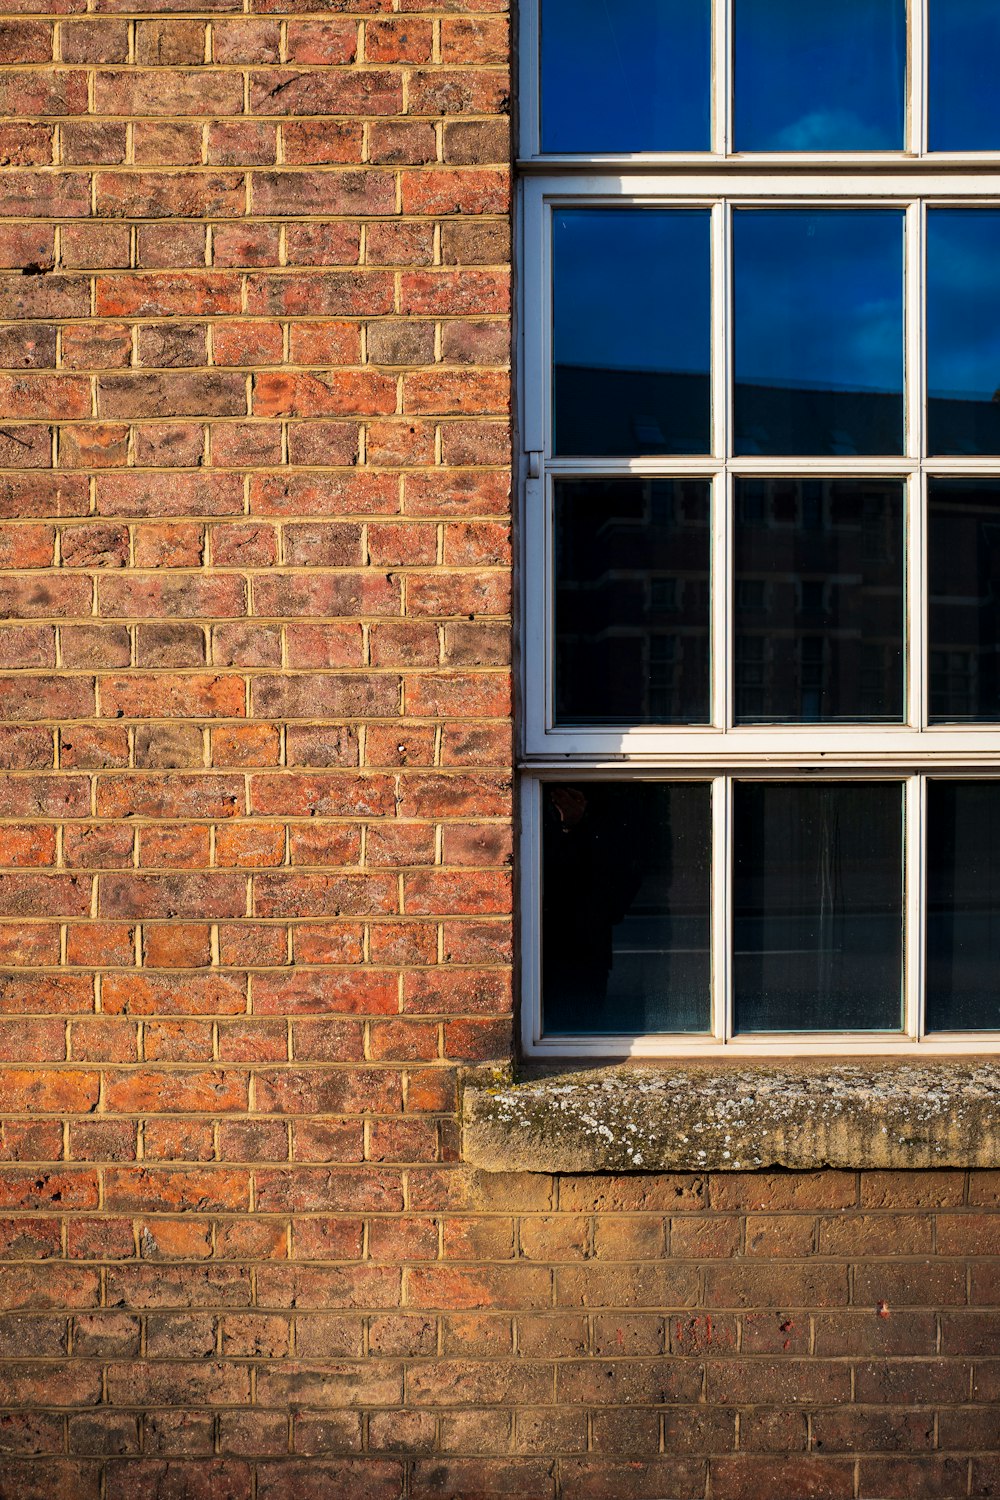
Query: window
point(760, 414)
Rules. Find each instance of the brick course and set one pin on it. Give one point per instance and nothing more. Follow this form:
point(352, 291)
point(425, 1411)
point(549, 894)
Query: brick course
point(255, 849)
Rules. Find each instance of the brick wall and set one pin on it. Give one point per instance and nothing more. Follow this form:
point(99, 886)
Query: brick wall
point(255, 849)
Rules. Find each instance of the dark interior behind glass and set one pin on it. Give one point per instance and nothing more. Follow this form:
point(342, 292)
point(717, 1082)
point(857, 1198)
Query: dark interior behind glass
point(626, 903)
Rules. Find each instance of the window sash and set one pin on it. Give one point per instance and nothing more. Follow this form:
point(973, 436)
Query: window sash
point(911, 1040)
point(722, 743)
point(915, 135)
point(911, 753)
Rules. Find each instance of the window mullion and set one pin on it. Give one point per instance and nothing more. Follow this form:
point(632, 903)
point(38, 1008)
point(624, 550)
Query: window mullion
point(722, 339)
point(915, 350)
point(916, 125)
point(531, 914)
point(535, 340)
point(916, 904)
point(530, 144)
point(722, 79)
point(537, 611)
point(722, 884)
point(916, 601)
point(722, 584)
point(721, 576)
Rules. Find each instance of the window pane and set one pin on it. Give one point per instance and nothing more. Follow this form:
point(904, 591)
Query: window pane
point(819, 331)
point(632, 331)
point(819, 600)
point(818, 906)
point(813, 77)
point(632, 601)
point(634, 75)
point(963, 905)
point(626, 906)
point(964, 63)
point(963, 562)
point(963, 330)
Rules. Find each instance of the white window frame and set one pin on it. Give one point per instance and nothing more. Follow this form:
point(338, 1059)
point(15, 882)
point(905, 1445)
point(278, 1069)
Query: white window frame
point(908, 753)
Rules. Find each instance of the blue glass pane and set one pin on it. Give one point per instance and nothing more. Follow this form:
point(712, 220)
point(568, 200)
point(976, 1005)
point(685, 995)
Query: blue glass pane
point(626, 906)
point(626, 75)
point(819, 331)
point(818, 906)
point(963, 905)
point(820, 77)
point(631, 331)
point(964, 109)
point(963, 330)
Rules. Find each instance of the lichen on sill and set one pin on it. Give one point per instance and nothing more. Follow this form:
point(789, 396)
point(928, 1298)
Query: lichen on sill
point(737, 1117)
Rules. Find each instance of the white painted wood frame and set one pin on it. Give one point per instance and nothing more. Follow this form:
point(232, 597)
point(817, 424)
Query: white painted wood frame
point(910, 753)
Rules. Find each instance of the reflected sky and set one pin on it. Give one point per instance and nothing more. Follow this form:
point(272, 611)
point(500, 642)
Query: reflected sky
point(819, 307)
point(626, 75)
point(631, 298)
point(963, 331)
point(813, 77)
point(964, 107)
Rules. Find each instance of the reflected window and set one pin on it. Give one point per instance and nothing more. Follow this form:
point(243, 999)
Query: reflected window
point(626, 878)
point(963, 905)
point(813, 77)
point(834, 619)
point(817, 906)
point(819, 331)
point(634, 75)
point(631, 369)
point(963, 565)
point(632, 601)
point(963, 331)
point(964, 105)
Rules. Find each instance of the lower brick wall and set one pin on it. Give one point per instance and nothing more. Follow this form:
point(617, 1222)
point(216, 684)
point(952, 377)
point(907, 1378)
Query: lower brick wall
point(256, 848)
point(460, 1334)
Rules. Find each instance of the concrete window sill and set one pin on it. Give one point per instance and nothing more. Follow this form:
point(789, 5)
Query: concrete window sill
point(738, 1117)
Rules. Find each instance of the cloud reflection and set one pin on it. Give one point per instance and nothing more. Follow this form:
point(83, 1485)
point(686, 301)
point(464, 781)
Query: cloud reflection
point(813, 77)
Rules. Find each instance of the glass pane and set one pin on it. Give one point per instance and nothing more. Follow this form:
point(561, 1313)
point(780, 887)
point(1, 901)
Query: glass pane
point(632, 330)
point(813, 77)
point(819, 600)
point(963, 905)
point(963, 564)
point(626, 906)
point(818, 906)
point(819, 331)
point(632, 601)
point(632, 75)
point(964, 64)
point(963, 331)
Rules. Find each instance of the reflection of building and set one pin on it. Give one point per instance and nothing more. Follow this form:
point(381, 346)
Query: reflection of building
point(818, 612)
point(610, 411)
point(819, 593)
point(632, 600)
point(819, 590)
point(964, 580)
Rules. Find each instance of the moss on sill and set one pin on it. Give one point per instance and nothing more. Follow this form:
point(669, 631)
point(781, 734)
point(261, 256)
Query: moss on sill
point(738, 1117)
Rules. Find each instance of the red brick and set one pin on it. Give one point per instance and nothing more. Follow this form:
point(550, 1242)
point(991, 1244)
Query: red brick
point(745, 1477)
